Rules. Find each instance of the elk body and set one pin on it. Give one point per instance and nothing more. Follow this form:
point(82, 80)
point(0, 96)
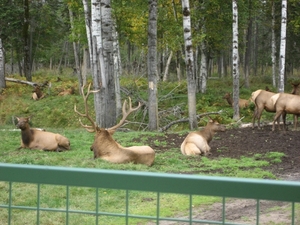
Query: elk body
point(243, 103)
point(69, 91)
point(37, 93)
point(38, 139)
point(105, 147)
point(264, 100)
point(286, 104)
point(196, 143)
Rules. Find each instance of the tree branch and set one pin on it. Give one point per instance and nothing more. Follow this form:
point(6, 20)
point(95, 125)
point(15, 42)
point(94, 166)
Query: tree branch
point(183, 120)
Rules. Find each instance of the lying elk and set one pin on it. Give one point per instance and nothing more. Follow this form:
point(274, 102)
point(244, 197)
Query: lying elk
point(38, 139)
point(243, 103)
point(65, 92)
point(105, 147)
point(286, 104)
point(37, 93)
point(196, 143)
point(262, 100)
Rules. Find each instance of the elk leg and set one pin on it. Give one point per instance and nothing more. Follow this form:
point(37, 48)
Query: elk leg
point(254, 116)
point(259, 112)
point(276, 118)
point(295, 121)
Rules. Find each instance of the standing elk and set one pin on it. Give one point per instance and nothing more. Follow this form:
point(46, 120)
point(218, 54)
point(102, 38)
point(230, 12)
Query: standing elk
point(196, 143)
point(38, 139)
point(286, 104)
point(243, 103)
point(262, 100)
point(106, 148)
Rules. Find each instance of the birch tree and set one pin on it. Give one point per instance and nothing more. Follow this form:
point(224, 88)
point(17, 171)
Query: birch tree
point(273, 44)
point(98, 68)
point(26, 47)
point(235, 60)
point(75, 48)
point(2, 68)
point(189, 62)
point(203, 67)
point(107, 28)
point(282, 46)
point(152, 66)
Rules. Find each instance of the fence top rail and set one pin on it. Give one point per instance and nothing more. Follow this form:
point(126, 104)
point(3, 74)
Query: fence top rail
point(154, 182)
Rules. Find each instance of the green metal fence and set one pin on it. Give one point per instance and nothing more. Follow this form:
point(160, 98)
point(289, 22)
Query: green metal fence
point(12, 175)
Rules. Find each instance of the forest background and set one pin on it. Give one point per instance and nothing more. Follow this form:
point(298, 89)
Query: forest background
point(56, 33)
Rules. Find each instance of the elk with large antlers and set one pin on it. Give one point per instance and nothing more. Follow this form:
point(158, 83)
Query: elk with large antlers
point(105, 147)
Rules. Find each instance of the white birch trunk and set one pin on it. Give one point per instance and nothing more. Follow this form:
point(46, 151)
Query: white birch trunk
point(189, 61)
point(107, 29)
point(203, 69)
point(273, 46)
point(282, 46)
point(235, 60)
point(98, 69)
point(2, 68)
point(88, 27)
point(117, 71)
point(166, 73)
point(152, 66)
point(76, 54)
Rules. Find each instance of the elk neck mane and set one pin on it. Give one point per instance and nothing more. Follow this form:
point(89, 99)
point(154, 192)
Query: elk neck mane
point(27, 135)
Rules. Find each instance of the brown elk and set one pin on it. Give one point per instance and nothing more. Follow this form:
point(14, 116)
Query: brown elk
point(286, 104)
point(262, 100)
point(69, 91)
point(106, 148)
point(37, 93)
point(38, 139)
point(243, 103)
point(196, 143)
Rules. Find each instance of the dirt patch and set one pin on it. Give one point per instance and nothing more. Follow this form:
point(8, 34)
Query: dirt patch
point(235, 143)
point(238, 142)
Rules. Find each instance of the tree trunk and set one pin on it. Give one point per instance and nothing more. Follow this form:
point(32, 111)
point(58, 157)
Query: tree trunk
point(27, 61)
point(117, 72)
point(76, 52)
point(2, 68)
point(165, 77)
point(152, 66)
point(282, 46)
point(273, 46)
point(189, 61)
point(235, 60)
point(107, 27)
point(203, 69)
point(98, 69)
point(248, 51)
point(87, 18)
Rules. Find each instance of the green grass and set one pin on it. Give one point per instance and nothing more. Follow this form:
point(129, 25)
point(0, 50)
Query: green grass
point(55, 113)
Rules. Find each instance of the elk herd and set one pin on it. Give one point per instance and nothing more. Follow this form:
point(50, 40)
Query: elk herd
point(195, 143)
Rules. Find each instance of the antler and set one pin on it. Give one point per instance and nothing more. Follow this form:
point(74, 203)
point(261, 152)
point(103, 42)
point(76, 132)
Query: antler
point(93, 127)
point(125, 113)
